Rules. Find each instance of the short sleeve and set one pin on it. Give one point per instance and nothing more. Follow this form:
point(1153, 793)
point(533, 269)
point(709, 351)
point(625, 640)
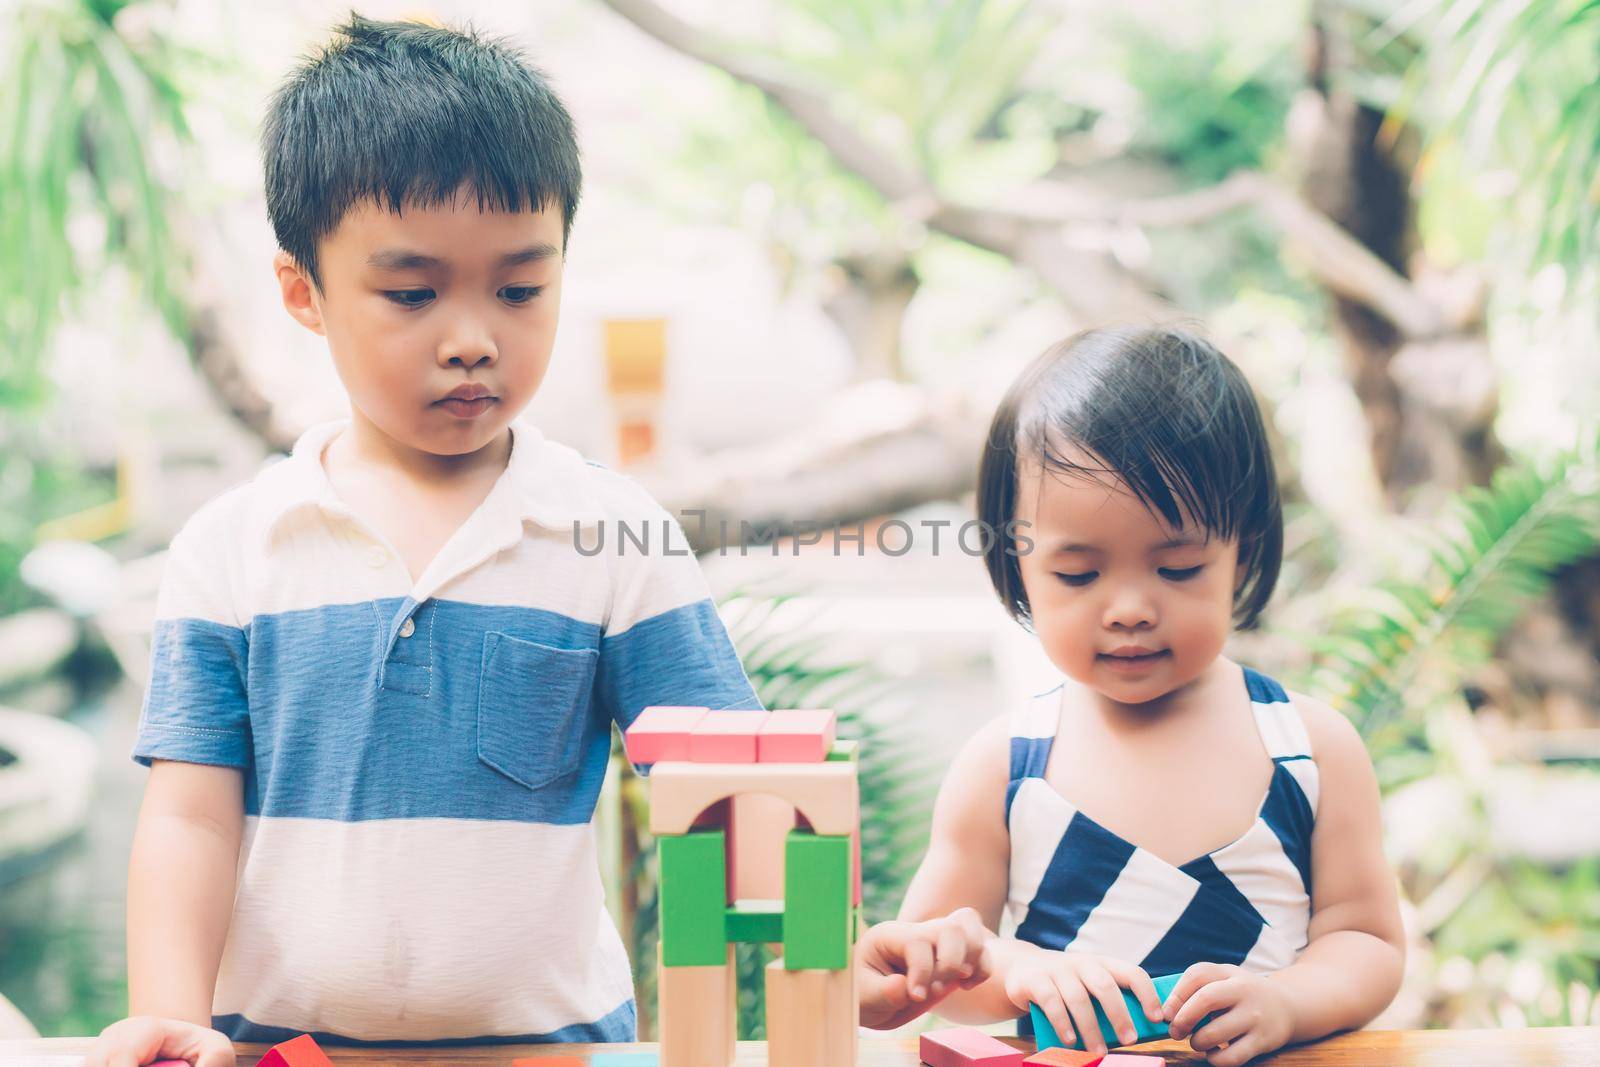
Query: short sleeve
point(664, 643)
point(196, 708)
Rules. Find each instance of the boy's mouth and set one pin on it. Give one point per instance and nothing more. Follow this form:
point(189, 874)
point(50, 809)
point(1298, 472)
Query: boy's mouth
point(467, 401)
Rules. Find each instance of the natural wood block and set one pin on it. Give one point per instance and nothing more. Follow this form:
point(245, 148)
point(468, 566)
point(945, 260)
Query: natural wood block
point(811, 1017)
point(698, 1013)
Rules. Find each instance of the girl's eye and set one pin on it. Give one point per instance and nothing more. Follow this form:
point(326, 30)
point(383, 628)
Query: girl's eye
point(520, 294)
point(1179, 574)
point(408, 298)
point(1078, 579)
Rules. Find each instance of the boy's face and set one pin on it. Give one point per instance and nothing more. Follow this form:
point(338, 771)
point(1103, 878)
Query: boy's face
point(440, 319)
point(1107, 579)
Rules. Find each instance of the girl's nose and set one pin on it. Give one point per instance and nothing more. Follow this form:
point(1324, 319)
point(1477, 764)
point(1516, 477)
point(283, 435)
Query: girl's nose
point(1130, 609)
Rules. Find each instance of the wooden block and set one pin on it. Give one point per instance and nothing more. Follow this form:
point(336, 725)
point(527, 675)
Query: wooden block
point(1148, 1029)
point(811, 1017)
point(693, 899)
point(965, 1047)
point(301, 1051)
point(726, 737)
point(660, 734)
point(1064, 1057)
point(799, 736)
point(845, 751)
point(825, 794)
point(817, 932)
point(630, 1059)
point(699, 1015)
point(761, 825)
point(756, 921)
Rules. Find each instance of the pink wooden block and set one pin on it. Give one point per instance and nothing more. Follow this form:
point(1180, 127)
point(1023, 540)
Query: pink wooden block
point(965, 1047)
point(799, 736)
point(726, 737)
point(660, 734)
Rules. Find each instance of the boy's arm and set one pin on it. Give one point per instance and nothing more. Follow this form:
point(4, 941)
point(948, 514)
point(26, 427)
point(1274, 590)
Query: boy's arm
point(181, 882)
point(1352, 966)
point(968, 864)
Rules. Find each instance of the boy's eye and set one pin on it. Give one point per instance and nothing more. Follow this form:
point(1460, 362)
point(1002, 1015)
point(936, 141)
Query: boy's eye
point(1179, 574)
point(520, 294)
point(408, 298)
point(1078, 579)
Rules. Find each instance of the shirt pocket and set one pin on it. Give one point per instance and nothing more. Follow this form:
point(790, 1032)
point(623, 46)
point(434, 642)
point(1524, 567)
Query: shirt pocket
point(533, 702)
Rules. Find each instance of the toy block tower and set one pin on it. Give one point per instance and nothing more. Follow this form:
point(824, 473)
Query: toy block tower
point(736, 797)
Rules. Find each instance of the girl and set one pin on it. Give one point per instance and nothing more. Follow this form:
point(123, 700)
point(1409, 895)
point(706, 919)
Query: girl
point(1164, 809)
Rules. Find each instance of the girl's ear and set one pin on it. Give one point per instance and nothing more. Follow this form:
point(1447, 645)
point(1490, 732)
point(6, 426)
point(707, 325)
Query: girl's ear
point(300, 296)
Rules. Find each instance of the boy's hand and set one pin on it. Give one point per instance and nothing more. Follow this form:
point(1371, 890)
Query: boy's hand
point(1253, 1014)
point(906, 968)
point(1063, 983)
point(145, 1038)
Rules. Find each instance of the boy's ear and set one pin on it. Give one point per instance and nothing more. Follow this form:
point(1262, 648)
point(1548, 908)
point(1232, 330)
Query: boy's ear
point(300, 297)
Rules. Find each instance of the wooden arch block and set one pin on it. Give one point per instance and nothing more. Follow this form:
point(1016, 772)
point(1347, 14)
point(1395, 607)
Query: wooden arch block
point(825, 794)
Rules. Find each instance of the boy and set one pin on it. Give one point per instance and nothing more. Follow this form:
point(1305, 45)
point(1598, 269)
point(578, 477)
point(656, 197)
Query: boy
point(383, 678)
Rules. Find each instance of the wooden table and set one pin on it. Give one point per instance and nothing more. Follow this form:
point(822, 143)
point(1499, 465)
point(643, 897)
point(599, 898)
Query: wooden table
point(1572, 1046)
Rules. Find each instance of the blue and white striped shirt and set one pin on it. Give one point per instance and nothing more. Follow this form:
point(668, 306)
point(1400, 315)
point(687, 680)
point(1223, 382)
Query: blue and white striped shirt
point(1076, 885)
point(422, 758)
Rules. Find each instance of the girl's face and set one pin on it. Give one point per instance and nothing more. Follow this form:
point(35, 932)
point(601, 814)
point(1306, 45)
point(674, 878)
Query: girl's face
point(1122, 602)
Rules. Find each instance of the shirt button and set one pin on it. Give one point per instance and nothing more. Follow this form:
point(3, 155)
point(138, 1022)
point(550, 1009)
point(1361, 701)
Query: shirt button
point(377, 556)
point(408, 628)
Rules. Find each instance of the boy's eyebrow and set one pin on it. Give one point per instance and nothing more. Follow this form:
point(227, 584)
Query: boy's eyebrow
point(404, 259)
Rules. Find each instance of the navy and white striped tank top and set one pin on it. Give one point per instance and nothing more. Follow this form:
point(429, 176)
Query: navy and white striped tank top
point(1076, 885)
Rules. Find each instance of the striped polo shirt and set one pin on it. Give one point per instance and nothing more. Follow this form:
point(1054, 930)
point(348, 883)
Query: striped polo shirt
point(1076, 885)
point(422, 757)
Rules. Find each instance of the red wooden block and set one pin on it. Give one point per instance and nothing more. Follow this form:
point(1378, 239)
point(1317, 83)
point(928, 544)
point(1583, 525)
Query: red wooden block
point(726, 737)
point(798, 736)
point(660, 734)
point(965, 1047)
point(1064, 1057)
point(299, 1052)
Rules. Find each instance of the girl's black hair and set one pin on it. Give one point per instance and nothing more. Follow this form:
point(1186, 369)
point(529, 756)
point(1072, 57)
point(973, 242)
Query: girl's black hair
point(404, 113)
point(1165, 412)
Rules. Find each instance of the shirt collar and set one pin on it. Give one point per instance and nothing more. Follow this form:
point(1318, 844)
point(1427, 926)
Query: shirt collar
point(544, 482)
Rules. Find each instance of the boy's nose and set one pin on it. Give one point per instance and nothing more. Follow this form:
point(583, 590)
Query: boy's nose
point(468, 347)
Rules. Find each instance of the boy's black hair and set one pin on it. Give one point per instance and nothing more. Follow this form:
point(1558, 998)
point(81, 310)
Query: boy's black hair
point(1165, 412)
point(404, 114)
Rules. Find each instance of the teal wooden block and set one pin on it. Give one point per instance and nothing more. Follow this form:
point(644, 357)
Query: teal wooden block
point(693, 899)
point(755, 921)
point(624, 1059)
point(1148, 1029)
point(817, 911)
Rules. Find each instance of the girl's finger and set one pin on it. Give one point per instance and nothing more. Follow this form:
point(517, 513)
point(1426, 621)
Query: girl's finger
point(1197, 976)
point(1109, 994)
point(1048, 997)
point(1214, 997)
point(919, 967)
point(951, 954)
point(1220, 1031)
point(1238, 1053)
point(1133, 977)
point(1081, 1009)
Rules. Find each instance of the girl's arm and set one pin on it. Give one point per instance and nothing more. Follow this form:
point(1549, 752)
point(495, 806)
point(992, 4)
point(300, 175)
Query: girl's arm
point(968, 862)
point(1352, 966)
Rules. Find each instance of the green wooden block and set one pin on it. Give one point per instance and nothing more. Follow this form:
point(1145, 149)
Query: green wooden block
point(693, 899)
point(845, 750)
point(756, 921)
point(816, 902)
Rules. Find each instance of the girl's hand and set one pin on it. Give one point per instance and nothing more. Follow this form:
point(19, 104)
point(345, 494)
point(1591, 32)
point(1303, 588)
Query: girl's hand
point(1253, 1015)
point(1063, 983)
point(906, 968)
point(145, 1039)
